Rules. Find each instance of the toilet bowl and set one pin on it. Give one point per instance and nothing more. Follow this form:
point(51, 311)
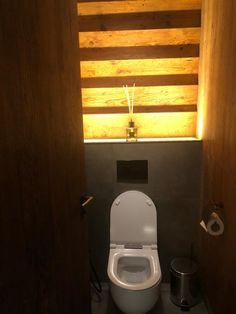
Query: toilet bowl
point(133, 266)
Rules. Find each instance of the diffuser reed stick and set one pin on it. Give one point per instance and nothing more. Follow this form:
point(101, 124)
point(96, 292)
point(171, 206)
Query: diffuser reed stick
point(130, 104)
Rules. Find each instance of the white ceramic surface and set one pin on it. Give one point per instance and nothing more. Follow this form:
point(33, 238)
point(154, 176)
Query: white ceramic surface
point(140, 268)
point(135, 301)
point(134, 273)
point(133, 219)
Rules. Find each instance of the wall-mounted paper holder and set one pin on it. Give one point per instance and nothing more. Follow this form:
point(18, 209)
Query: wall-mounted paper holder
point(211, 221)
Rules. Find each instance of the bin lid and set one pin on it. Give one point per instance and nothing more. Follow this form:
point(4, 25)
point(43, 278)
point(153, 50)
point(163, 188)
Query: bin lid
point(184, 266)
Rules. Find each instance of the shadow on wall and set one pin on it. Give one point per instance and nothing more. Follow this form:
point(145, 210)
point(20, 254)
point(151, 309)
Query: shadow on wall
point(174, 177)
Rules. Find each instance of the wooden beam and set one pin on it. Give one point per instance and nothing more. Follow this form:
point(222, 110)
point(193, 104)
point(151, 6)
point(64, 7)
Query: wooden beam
point(147, 20)
point(147, 95)
point(115, 7)
point(139, 67)
point(131, 38)
point(153, 52)
point(149, 80)
point(140, 109)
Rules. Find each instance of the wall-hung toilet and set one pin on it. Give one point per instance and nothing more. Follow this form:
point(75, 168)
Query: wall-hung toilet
point(133, 266)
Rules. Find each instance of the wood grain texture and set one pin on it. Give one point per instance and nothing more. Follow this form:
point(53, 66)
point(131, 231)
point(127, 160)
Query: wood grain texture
point(146, 96)
point(143, 67)
point(114, 7)
point(134, 21)
point(113, 125)
point(148, 80)
point(218, 109)
point(170, 51)
point(42, 236)
point(154, 44)
point(133, 38)
point(140, 109)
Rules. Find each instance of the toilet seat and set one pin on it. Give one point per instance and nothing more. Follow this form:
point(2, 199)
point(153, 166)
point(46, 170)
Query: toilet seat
point(141, 273)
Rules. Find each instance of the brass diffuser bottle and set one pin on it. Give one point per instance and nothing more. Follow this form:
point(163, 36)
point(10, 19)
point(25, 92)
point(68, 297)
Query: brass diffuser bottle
point(131, 130)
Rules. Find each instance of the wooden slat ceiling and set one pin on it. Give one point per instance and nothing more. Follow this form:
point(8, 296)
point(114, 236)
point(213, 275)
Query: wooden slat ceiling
point(137, 38)
point(134, 6)
point(154, 44)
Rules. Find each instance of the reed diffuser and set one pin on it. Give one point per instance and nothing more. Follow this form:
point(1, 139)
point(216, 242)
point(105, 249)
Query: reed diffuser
point(131, 130)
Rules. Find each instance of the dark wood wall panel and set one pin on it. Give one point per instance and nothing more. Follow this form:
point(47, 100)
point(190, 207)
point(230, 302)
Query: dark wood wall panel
point(42, 236)
point(218, 104)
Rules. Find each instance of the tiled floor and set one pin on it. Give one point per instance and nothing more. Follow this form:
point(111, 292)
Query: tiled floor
point(164, 305)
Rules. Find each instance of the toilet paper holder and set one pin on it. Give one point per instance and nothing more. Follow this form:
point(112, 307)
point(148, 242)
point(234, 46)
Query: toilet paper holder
point(211, 218)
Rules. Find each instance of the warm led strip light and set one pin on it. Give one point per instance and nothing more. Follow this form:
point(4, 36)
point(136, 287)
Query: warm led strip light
point(144, 140)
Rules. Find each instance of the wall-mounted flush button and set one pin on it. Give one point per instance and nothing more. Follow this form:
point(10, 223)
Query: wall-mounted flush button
point(117, 202)
point(149, 202)
point(132, 171)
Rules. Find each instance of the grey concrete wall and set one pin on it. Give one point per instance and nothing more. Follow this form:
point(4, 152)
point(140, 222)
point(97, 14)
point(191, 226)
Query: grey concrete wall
point(174, 171)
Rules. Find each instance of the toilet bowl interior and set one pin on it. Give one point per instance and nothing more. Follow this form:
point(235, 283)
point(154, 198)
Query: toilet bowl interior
point(133, 269)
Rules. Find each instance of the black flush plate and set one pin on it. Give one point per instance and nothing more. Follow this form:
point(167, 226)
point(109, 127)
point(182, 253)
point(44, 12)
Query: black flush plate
point(132, 171)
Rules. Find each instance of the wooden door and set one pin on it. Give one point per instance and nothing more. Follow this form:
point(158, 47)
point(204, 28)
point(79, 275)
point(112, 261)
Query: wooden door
point(218, 101)
point(43, 237)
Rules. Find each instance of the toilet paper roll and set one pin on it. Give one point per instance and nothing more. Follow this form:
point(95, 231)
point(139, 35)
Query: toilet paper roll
point(214, 226)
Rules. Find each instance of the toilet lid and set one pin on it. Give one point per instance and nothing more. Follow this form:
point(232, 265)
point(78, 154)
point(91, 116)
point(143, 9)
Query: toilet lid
point(133, 219)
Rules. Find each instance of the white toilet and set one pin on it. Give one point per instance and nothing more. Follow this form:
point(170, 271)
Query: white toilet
point(133, 266)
